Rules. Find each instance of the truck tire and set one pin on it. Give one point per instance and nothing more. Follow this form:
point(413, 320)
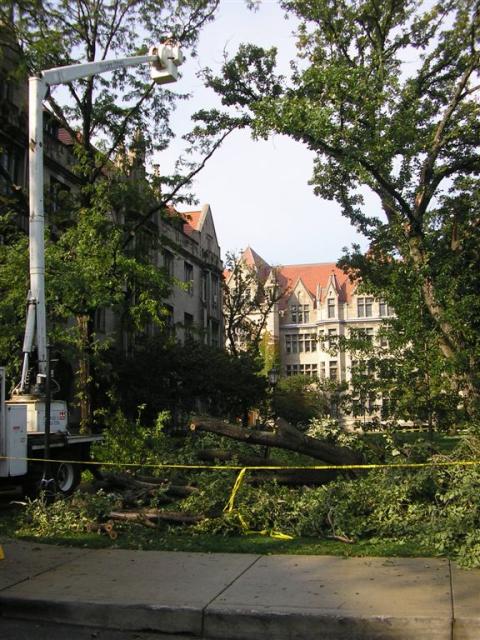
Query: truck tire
point(67, 477)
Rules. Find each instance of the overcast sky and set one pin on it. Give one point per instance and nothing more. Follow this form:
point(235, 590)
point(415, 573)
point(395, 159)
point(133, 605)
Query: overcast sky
point(258, 191)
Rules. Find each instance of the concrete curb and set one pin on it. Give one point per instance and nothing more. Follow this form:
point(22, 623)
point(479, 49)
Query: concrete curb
point(235, 596)
point(107, 615)
point(243, 624)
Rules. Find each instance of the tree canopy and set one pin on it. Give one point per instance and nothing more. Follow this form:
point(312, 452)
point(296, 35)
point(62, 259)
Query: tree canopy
point(386, 96)
point(100, 240)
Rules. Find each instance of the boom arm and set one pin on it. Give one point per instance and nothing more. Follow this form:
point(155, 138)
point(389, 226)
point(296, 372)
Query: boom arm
point(164, 60)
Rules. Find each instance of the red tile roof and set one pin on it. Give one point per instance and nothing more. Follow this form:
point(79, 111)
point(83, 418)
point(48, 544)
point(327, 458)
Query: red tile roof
point(64, 136)
point(192, 221)
point(313, 276)
point(252, 259)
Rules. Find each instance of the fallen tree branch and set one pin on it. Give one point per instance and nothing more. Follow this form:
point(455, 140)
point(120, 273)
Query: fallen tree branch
point(294, 477)
point(213, 454)
point(285, 436)
point(153, 518)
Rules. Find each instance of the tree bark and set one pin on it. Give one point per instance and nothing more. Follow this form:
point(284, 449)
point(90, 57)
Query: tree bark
point(294, 477)
point(153, 518)
point(84, 373)
point(284, 437)
point(210, 455)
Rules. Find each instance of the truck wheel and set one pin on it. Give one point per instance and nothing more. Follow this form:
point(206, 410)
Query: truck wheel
point(67, 477)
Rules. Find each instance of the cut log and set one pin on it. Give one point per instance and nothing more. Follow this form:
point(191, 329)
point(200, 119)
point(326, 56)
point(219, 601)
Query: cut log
point(210, 455)
point(181, 491)
point(285, 436)
point(176, 517)
point(125, 481)
point(135, 490)
point(294, 477)
point(154, 517)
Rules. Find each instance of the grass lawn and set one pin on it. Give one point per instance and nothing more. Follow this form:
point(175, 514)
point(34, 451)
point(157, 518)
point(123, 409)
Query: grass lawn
point(137, 537)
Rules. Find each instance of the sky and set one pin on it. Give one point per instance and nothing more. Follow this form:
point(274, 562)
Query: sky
point(258, 190)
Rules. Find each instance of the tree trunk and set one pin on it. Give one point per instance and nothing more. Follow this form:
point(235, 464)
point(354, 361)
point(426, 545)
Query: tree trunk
point(449, 343)
point(84, 372)
point(284, 437)
point(153, 518)
point(211, 455)
point(294, 477)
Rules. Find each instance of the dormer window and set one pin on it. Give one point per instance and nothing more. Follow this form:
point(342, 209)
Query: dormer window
point(331, 307)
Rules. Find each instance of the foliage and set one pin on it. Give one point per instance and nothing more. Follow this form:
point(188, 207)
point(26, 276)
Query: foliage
point(408, 133)
point(185, 378)
point(299, 399)
point(401, 375)
point(250, 293)
point(428, 509)
point(134, 443)
point(329, 430)
point(435, 506)
point(65, 515)
point(13, 290)
point(102, 236)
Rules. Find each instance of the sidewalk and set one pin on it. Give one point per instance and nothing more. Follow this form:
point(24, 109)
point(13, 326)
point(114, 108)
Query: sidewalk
point(235, 596)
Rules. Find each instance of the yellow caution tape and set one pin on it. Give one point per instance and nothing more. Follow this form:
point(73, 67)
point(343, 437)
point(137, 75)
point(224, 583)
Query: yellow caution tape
point(229, 507)
point(328, 467)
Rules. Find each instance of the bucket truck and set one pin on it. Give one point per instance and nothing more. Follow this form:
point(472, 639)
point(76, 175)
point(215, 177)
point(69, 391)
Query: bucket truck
point(32, 426)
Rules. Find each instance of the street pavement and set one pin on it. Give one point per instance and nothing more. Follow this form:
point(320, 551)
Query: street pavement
point(49, 592)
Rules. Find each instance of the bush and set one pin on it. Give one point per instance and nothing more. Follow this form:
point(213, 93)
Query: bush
point(66, 515)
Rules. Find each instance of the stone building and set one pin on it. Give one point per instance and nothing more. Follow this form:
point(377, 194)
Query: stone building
point(318, 305)
point(191, 254)
point(185, 244)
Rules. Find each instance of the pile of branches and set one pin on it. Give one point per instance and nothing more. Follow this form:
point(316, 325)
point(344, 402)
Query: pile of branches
point(137, 493)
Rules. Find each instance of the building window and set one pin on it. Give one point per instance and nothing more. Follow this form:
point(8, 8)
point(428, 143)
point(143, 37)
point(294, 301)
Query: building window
point(5, 89)
point(383, 310)
point(310, 370)
point(215, 292)
point(362, 334)
point(168, 262)
point(364, 307)
point(188, 277)
point(214, 333)
point(331, 308)
point(333, 370)
point(300, 342)
point(169, 324)
point(11, 165)
point(310, 342)
point(300, 314)
point(332, 338)
point(58, 195)
point(322, 370)
point(188, 326)
point(204, 286)
point(100, 320)
point(383, 341)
